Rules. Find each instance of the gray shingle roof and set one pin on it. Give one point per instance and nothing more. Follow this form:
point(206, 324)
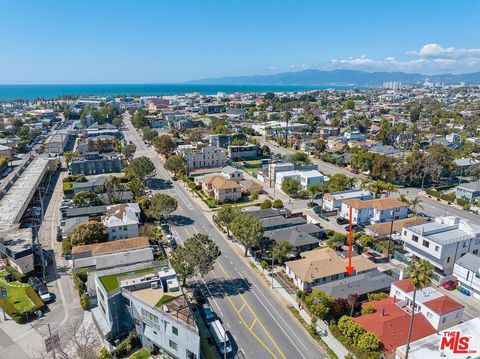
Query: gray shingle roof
point(368, 282)
point(469, 261)
point(472, 186)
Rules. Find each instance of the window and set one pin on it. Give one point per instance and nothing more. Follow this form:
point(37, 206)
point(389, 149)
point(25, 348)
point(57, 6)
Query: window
point(464, 244)
point(173, 344)
point(443, 320)
point(448, 259)
point(437, 248)
point(461, 255)
point(174, 330)
point(475, 251)
point(404, 233)
point(426, 243)
point(414, 238)
point(429, 315)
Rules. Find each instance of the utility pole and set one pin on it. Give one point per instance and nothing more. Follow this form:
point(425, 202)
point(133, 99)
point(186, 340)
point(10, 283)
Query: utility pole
point(390, 239)
point(272, 268)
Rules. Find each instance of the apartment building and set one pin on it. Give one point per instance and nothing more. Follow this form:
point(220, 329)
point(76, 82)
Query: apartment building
point(333, 201)
point(122, 221)
point(146, 298)
point(243, 152)
point(221, 188)
point(442, 242)
point(467, 272)
point(374, 211)
point(94, 163)
point(202, 157)
point(306, 178)
point(468, 191)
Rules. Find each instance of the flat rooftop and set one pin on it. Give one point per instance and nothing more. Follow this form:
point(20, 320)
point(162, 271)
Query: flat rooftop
point(20, 194)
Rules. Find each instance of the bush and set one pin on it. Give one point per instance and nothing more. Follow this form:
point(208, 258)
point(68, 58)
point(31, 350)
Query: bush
point(330, 232)
point(377, 296)
point(79, 284)
point(462, 202)
point(85, 301)
point(368, 309)
point(212, 202)
point(66, 246)
point(449, 197)
point(266, 204)
point(104, 354)
point(433, 192)
point(68, 188)
point(277, 203)
point(355, 350)
point(71, 178)
point(254, 195)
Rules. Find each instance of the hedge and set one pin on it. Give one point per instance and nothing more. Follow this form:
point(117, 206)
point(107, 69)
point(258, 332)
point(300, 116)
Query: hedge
point(68, 188)
point(359, 353)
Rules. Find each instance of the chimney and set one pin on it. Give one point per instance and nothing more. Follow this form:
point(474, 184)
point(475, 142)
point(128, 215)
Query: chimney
point(383, 311)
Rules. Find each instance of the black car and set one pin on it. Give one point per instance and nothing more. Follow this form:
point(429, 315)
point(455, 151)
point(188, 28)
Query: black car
point(317, 209)
point(355, 227)
point(341, 220)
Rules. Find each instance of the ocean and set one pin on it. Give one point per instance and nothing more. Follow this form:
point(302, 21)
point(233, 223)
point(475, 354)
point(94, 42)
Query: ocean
point(31, 92)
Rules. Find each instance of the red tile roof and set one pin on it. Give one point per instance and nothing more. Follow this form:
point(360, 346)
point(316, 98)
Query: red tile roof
point(443, 305)
point(390, 324)
point(404, 284)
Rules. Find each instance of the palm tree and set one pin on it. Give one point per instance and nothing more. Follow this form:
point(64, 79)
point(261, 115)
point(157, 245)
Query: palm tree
point(420, 273)
point(376, 187)
point(314, 189)
point(415, 203)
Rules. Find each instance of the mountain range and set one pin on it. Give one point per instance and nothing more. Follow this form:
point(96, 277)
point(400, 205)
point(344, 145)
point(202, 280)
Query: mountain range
point(340, 78)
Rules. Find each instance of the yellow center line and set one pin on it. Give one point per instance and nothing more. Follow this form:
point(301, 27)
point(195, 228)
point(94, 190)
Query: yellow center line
point(241, 308)
point(243, 321)
point(253, 313)
point(254, 321)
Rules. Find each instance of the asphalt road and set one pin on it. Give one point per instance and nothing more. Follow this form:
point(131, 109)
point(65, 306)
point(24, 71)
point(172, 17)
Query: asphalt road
point(259, 325)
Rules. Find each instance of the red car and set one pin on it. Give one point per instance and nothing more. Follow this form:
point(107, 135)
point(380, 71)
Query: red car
point(450, 284)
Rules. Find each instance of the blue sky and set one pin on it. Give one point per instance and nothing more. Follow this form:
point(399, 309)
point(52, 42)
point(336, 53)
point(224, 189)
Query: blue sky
point(115, 41)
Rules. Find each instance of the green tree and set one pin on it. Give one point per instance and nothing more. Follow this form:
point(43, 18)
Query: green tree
point(415, 203)
point(175, 164)
point(226, 215)
point(266, 204)
point(88, 233)
point(420, 273)
point(140, 167)
point(161, 204)
point(349, 104)
point(281, 250)
point(70, 155)
point(369, 342)
point(314, 189)
point(291, 186)
point(277, 203)
point(128, 151)
point(136, 186)
point(319, 146)
point(319, 303)
point(378, 187)
point(117, 122)
point(182, 263)
point(300, 158)
point(247, 230)
point(113, 187)
point(337, 182)
point(165, 145)
point(86, 199)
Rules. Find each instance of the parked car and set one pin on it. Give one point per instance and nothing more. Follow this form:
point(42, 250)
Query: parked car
point(341, 220)
point(207, 313)
point(317, 209)
point(35, 282)
point(355, 227)
point(450, 284)
point(312, 204)
point(45, 295)
point(10, 278)
point(424, 216)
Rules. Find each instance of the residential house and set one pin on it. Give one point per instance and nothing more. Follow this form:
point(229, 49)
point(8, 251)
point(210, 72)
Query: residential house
point(394, 228)
point(235, 113)
point(122, 221)
point(93, 184)
point(16, 248)
point(221, 188)
point(280, 222)
point(56, 143)
point(442, 242)
point(467, 272)
point(100, 130)
point(468, 191)
point(374, 210)
point(333, 201)
point(440, 310)
point(146, 298)
point(323, 265)
point(303, 237)
point(223, 141)
point(112, 254)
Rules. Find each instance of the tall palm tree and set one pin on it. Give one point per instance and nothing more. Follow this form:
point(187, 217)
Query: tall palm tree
point(351, 182)
point(415, 203)
point(420, 273)
point(377, 188)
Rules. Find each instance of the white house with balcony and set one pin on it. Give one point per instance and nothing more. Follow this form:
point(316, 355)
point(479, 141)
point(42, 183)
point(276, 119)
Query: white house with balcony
point(442, 242)
point(306, 178)
point(440, 310)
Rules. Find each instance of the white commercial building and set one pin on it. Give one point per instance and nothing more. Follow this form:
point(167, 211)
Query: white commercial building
point(442, 242)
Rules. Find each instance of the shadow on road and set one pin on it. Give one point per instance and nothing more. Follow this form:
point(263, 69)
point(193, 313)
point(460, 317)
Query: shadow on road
point(218, 288)
point(179, 220)
point(159, 183)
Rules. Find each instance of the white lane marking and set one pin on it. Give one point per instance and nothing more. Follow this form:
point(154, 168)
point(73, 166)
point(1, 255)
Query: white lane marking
point(280, 326)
